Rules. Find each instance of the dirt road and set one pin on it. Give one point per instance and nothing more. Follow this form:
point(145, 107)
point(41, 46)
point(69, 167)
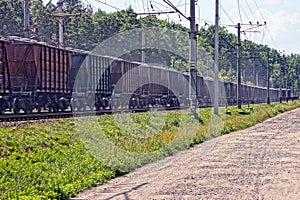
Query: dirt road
point(262, 162)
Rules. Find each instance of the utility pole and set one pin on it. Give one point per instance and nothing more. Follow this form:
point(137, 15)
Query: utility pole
point(286, 81)
point(192, 58)
point(216, 63)
point(26, 18)
point(268, 79)
point(60, 26)
point(280, 84)
point(61, 17)
point(143, 46)
point(238, 92)
point(192, 85)
point(230, 72)
point(207, 66)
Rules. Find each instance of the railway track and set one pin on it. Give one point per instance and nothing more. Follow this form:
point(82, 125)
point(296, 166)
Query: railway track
point(69, 114)
point(33, 116)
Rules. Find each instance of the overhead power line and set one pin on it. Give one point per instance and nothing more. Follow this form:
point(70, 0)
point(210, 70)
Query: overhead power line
point(108, 5)
point(159, 3)
point(263, 37)
point(250, 8)
point(266, 29)
point(64, 14)
point(259, 10)
point(148, 6)
point(245, 13)
point(143, 5)
point(156, 13)
point(54, 9)
point(227, 14)
point(238, 2)
point(170, 4)
point(175, 8)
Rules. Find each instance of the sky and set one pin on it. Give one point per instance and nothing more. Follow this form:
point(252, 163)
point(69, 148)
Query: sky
point(282, 17)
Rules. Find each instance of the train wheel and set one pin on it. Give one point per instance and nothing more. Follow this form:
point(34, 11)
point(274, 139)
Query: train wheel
point(71, 107)
point(28, 111)
point(49, 109)
point(64, 105)
point(39, 109)
point(105, 103)
point(97, 107)
point(16, 110)
point(53, 109)
point(16, 107)
point(81, 105)
point(61, 107)
point(132, 104)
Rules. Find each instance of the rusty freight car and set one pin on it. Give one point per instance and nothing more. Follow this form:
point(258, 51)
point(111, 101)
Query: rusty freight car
point(37, 76)
point(4, 78)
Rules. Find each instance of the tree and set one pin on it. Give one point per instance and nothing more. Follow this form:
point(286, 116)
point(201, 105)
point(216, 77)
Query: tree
point(79, 29)
point(11, 18)
point(44, 26)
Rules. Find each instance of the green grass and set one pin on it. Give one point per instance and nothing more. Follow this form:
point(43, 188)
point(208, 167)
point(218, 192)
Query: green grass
point(46, 162)
point(58, 159)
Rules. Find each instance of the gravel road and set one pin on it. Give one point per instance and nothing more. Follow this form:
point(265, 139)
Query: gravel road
point(261, 162)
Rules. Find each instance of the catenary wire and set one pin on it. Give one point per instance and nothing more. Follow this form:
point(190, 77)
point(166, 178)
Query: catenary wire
point(239, 10)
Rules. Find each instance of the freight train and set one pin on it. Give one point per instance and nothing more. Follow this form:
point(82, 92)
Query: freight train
point(37, 77)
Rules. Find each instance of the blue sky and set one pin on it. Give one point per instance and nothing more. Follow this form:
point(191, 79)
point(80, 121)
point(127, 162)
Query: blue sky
point(282, 17)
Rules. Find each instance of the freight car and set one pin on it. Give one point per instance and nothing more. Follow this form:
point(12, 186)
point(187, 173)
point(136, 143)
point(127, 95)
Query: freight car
point(105, 83)
point(109, 83)
point(34, 76)
point(37, 76)
point(90, 80)
point(249, 94)
point(5, 89)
